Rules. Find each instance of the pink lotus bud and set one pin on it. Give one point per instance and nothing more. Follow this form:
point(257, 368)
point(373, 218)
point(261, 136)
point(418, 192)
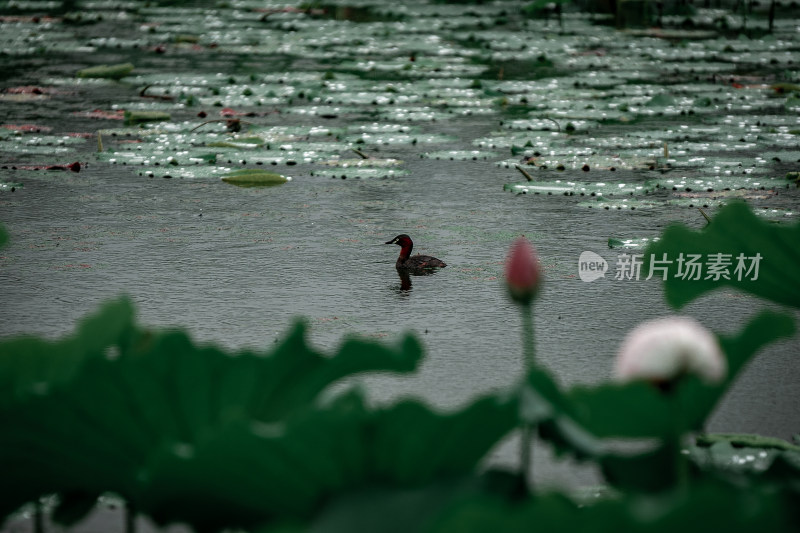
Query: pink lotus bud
point(523, 273)
point(662, 350)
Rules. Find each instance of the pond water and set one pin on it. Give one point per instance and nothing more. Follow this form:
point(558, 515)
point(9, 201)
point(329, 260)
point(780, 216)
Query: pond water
point(236, 266)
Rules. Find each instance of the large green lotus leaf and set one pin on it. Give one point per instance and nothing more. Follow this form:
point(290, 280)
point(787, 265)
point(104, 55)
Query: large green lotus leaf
point(440, 446)
point(639, 410)
point(87, 414)
point(276, 394)
point(388, 509)
point(247, 474)
point(212, 387)
point(286, 469)
point(60, 443)
point(651, 471)
point(548, 512)
point(736, 231)
point(542, 403)
point(736, 509)
point(30, 365)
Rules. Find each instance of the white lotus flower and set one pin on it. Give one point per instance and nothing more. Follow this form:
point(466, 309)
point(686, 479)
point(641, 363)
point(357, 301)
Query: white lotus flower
point(664, 349)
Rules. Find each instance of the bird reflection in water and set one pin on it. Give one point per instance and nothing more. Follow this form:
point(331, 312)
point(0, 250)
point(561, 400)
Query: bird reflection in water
point(405, 278)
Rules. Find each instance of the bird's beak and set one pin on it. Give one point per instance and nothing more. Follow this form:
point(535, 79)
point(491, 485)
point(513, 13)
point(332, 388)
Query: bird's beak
point(389, 242)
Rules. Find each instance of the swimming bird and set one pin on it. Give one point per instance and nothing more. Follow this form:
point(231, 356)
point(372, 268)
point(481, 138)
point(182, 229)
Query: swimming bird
point(417, 263)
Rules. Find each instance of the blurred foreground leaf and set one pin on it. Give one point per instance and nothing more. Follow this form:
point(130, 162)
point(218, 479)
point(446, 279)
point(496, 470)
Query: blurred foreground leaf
point(721, 506)
point(93, 412)
point(30, 365)
point(735, 232)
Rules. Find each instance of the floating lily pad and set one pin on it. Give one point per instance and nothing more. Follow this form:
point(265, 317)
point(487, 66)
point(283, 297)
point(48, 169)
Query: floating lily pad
point(274, 157)
point(113, 72)
point(18, 148)
point(370, 162)
point(254, 177)
point(380, 128)
point(460, 155)
point(572, 188)
point(6, 186)
point(788, 156)
point(720, 183)
point(324, 111)
point(399, 138)
point(184, 172)
point(146, 154)
point(361, 173)
point(540, 124)
point(619, 204)
point(585, 163)
point(520, 142)
point(414, 114)
point(639, 242)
